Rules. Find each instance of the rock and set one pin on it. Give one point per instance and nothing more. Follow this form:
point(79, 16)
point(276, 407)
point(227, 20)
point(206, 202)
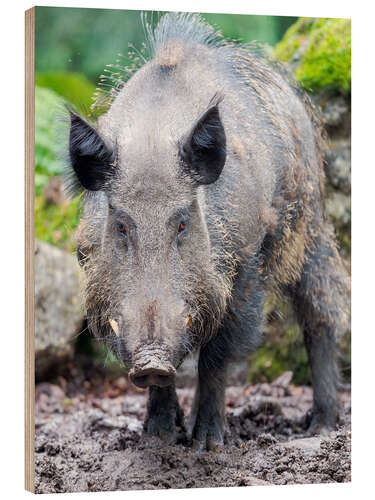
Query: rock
point(99, 421)
point(266, 439)
point(53, 191)
point(307, 445)
point(284, 380)
point(54, 392)
point(338, 208)
point(121, 383)
point(58, 311)
point(333, 110)
point(319, 51)
point(338, 165)
point(252, 481)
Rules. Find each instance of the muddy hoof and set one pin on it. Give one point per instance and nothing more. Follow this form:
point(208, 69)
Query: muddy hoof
point(169, 427)
point(207, 444)
point(318, 429)
point(319, 425)
point(166, 435)
point(208, 436)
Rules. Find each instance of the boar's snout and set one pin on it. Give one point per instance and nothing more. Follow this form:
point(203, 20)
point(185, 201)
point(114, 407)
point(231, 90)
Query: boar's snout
point(151, 370)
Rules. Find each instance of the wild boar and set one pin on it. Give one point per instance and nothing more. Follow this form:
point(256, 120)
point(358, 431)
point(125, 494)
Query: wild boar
point(203, 191)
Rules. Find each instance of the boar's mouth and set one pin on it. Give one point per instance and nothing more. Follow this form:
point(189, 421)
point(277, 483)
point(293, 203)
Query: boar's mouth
point(152, 377)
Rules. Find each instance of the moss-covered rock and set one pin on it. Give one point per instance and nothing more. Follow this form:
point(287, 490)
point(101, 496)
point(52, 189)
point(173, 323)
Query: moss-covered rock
point(320, 51)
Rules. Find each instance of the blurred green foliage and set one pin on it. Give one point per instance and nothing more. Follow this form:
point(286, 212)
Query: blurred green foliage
point(75, 88)
point(281, 351)
point(53, 223)
point(86, 40)
point(282, 348)
point(48, 105)
point(324, 48)
point(56, 224)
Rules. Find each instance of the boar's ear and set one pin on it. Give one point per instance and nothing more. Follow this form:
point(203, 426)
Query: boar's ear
point(91, 159)
point(203, 151)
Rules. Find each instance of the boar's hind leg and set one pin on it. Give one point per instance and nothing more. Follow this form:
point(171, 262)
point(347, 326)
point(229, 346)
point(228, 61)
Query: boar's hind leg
point(163, 414)
point(321, 304)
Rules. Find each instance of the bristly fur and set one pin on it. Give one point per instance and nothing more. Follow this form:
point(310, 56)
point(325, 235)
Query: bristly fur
point(186, 27)
point(209, 204)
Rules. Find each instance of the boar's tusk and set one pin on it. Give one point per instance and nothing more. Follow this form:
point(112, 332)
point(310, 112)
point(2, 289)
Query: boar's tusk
point(114, 326)
point(188, 321)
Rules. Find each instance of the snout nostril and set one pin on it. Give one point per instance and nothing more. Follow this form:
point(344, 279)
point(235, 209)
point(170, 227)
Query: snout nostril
point(140, 381)
point(161, 380)
point(152, 377)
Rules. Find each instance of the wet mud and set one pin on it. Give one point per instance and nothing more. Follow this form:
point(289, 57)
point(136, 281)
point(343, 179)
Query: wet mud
point(89, 437)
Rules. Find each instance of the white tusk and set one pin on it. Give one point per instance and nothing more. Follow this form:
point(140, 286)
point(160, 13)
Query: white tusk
point(114, 326)
point(188, 321)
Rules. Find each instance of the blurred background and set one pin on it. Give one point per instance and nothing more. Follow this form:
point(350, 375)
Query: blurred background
point(72, 47)
point(85, 40)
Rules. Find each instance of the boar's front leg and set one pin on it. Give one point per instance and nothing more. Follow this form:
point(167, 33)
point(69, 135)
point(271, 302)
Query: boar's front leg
point(237, 337)
point(163, 414)
point(207, 417)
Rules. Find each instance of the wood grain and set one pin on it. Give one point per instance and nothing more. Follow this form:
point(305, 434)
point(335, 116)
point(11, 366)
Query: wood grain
point(29, 249)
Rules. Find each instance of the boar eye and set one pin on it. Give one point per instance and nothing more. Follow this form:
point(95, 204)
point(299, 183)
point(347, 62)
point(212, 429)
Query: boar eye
point(181, 227)
point(122, 228)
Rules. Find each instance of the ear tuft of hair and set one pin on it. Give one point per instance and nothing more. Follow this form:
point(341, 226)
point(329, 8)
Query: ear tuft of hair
point(91, 159)
point(203, 151)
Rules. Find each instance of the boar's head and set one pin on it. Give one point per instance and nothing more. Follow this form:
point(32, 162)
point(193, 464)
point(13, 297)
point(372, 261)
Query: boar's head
point(152, 278)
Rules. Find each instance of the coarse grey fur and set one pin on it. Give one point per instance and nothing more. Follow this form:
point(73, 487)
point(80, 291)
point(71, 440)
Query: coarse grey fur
point(259, 226)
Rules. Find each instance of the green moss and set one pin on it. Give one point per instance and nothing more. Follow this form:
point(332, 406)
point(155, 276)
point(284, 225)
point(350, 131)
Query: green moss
point(73, 87)
point(293, 38)
point(56, 223)
point(325, 59)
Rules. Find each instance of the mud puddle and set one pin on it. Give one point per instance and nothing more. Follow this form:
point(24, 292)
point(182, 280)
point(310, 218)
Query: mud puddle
point(89, 438)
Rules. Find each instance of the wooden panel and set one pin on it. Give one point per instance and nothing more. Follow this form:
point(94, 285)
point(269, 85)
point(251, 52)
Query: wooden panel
point(29, 248)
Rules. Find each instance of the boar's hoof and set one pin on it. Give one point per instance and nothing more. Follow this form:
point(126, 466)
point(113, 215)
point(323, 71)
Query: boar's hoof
point(208, 444)
point(320, 423)
point(318, 428)
point(208, 436)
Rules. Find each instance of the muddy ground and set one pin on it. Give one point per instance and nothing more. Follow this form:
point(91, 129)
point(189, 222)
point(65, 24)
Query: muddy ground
point(89, 438)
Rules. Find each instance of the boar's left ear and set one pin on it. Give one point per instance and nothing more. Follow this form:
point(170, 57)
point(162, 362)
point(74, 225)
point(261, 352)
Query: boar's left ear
point(91, 159)
point(203, 151)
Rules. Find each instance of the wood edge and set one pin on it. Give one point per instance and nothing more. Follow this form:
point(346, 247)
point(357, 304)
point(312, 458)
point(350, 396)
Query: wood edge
point(29, 250)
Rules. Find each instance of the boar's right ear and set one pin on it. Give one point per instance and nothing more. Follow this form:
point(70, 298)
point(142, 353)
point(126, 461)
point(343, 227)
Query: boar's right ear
point(91, 159)
point(203, 151)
